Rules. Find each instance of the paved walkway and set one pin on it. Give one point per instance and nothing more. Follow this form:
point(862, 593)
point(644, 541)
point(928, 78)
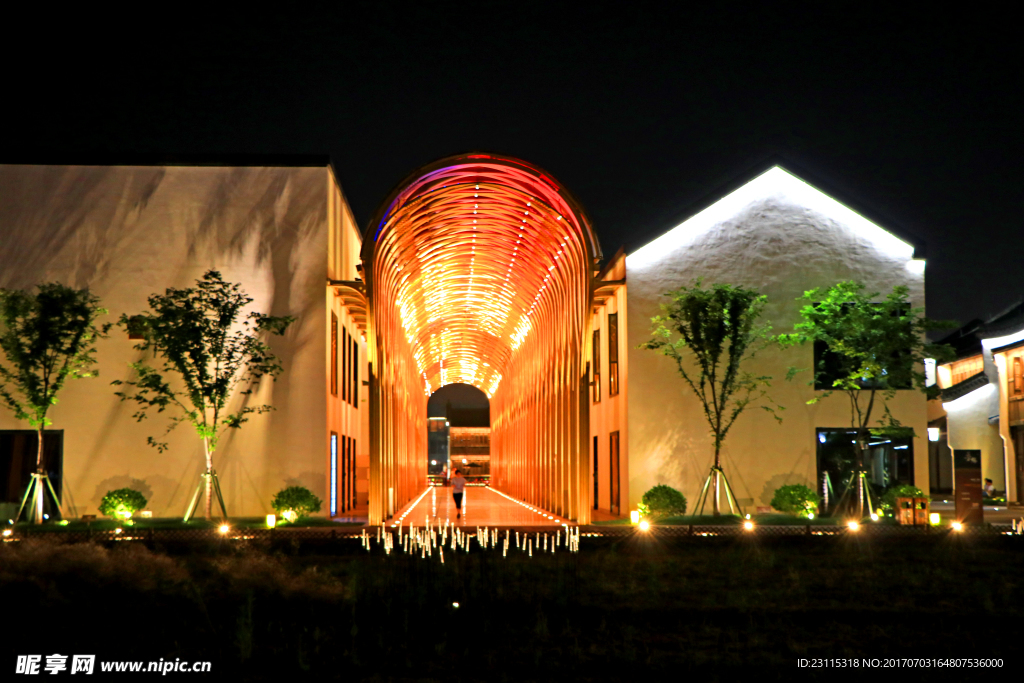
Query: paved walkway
point(481, 506)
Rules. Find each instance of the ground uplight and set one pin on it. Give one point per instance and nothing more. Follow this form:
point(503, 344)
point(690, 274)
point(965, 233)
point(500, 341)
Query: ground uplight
point(644, 525)
point(853, 525)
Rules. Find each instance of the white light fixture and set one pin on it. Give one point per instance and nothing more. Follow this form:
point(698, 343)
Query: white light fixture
point(933, 433)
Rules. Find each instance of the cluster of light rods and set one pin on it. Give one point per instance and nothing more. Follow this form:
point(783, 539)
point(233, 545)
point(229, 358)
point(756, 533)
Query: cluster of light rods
point(429, 538)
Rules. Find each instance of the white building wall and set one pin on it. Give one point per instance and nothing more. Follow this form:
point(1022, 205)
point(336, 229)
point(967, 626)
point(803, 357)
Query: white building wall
point(129, 231)
point(973, 424)
point(782, 237)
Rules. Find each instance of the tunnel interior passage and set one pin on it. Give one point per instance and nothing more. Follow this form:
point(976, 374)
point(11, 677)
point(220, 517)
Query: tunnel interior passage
point(478, 270)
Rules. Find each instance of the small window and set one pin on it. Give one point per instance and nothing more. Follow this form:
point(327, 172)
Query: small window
point(831, 366)
point(1018, 376)
point(334, 354)
point(613, 354)
point(596, 351)
point(613, 472)
point(137, 327)
point(334, 474)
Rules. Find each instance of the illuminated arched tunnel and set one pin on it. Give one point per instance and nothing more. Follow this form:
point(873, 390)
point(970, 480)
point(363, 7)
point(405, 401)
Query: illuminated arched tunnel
point(478, 269)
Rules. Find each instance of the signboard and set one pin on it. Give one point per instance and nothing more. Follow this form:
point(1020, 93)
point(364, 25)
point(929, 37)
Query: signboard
point(967, 486)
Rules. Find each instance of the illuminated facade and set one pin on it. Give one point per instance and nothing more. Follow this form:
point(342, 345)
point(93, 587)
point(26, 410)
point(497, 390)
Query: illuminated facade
point(781, 236)
point(982, 403)
point(279, 227)
point(477, 269)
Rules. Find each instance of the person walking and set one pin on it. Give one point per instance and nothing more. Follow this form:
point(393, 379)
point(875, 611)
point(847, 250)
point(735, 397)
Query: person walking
point(458, 488)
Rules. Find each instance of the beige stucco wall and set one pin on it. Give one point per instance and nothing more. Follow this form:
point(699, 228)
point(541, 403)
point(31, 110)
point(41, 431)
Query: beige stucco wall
point(781, 242)
point(129, 231)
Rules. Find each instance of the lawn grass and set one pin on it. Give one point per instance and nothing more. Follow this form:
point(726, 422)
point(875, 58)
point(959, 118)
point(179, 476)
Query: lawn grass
point(619, 610)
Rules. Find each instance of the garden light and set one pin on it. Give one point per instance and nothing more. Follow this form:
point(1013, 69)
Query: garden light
point(634, 516)
point(957, 526)
point(223, 528)
point(117, 530)
point(7, 532)
point(810, 515)
point(645, 525)
point(748, 525)
point(271, 521)
point(455, 605)
point(934, 518)
point(874, 517)
point(853, 526)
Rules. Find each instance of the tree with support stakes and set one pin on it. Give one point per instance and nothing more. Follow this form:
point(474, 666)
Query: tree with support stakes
point(47, 337)
point(199, 335)
point(868, 350)
point(718, 332)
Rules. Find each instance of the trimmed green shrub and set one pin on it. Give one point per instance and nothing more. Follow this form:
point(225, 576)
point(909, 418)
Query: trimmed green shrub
point(796, 499)
point(122, 503)
point(664, 501)
point(295, 502)
point(888, 500)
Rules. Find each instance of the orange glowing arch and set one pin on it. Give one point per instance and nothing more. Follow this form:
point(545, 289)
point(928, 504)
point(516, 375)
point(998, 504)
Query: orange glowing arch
point(478, 269)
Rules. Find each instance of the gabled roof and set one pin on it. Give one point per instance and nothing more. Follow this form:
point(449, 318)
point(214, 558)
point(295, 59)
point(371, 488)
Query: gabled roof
point(1002, 331)
point(769, 176)
point(966, 340)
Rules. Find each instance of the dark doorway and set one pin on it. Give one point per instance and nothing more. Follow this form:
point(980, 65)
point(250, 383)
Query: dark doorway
point(613, 472)
point(888, 461)
point(1017, 439)
point(18, 462)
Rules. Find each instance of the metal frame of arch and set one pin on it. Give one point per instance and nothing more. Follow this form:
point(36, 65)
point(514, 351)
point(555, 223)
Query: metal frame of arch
point(479, 269)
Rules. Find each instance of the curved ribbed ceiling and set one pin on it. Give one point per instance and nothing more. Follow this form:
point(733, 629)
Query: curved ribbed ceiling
point(470, 250)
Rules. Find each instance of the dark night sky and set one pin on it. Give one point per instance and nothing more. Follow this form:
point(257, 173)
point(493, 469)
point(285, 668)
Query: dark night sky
point(640, 111)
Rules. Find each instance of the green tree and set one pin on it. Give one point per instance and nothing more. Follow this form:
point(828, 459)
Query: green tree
point(872, 349)
point(47, 337)
point(712, 334)
point(200, 336)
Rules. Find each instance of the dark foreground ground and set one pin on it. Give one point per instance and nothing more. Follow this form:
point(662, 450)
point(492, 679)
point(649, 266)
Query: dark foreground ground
point(627, 610)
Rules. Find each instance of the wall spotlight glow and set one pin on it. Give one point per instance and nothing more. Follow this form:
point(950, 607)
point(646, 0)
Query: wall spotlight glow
point(779, 184)
point(271, 521)
point(934, 518)
point(634, 516)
